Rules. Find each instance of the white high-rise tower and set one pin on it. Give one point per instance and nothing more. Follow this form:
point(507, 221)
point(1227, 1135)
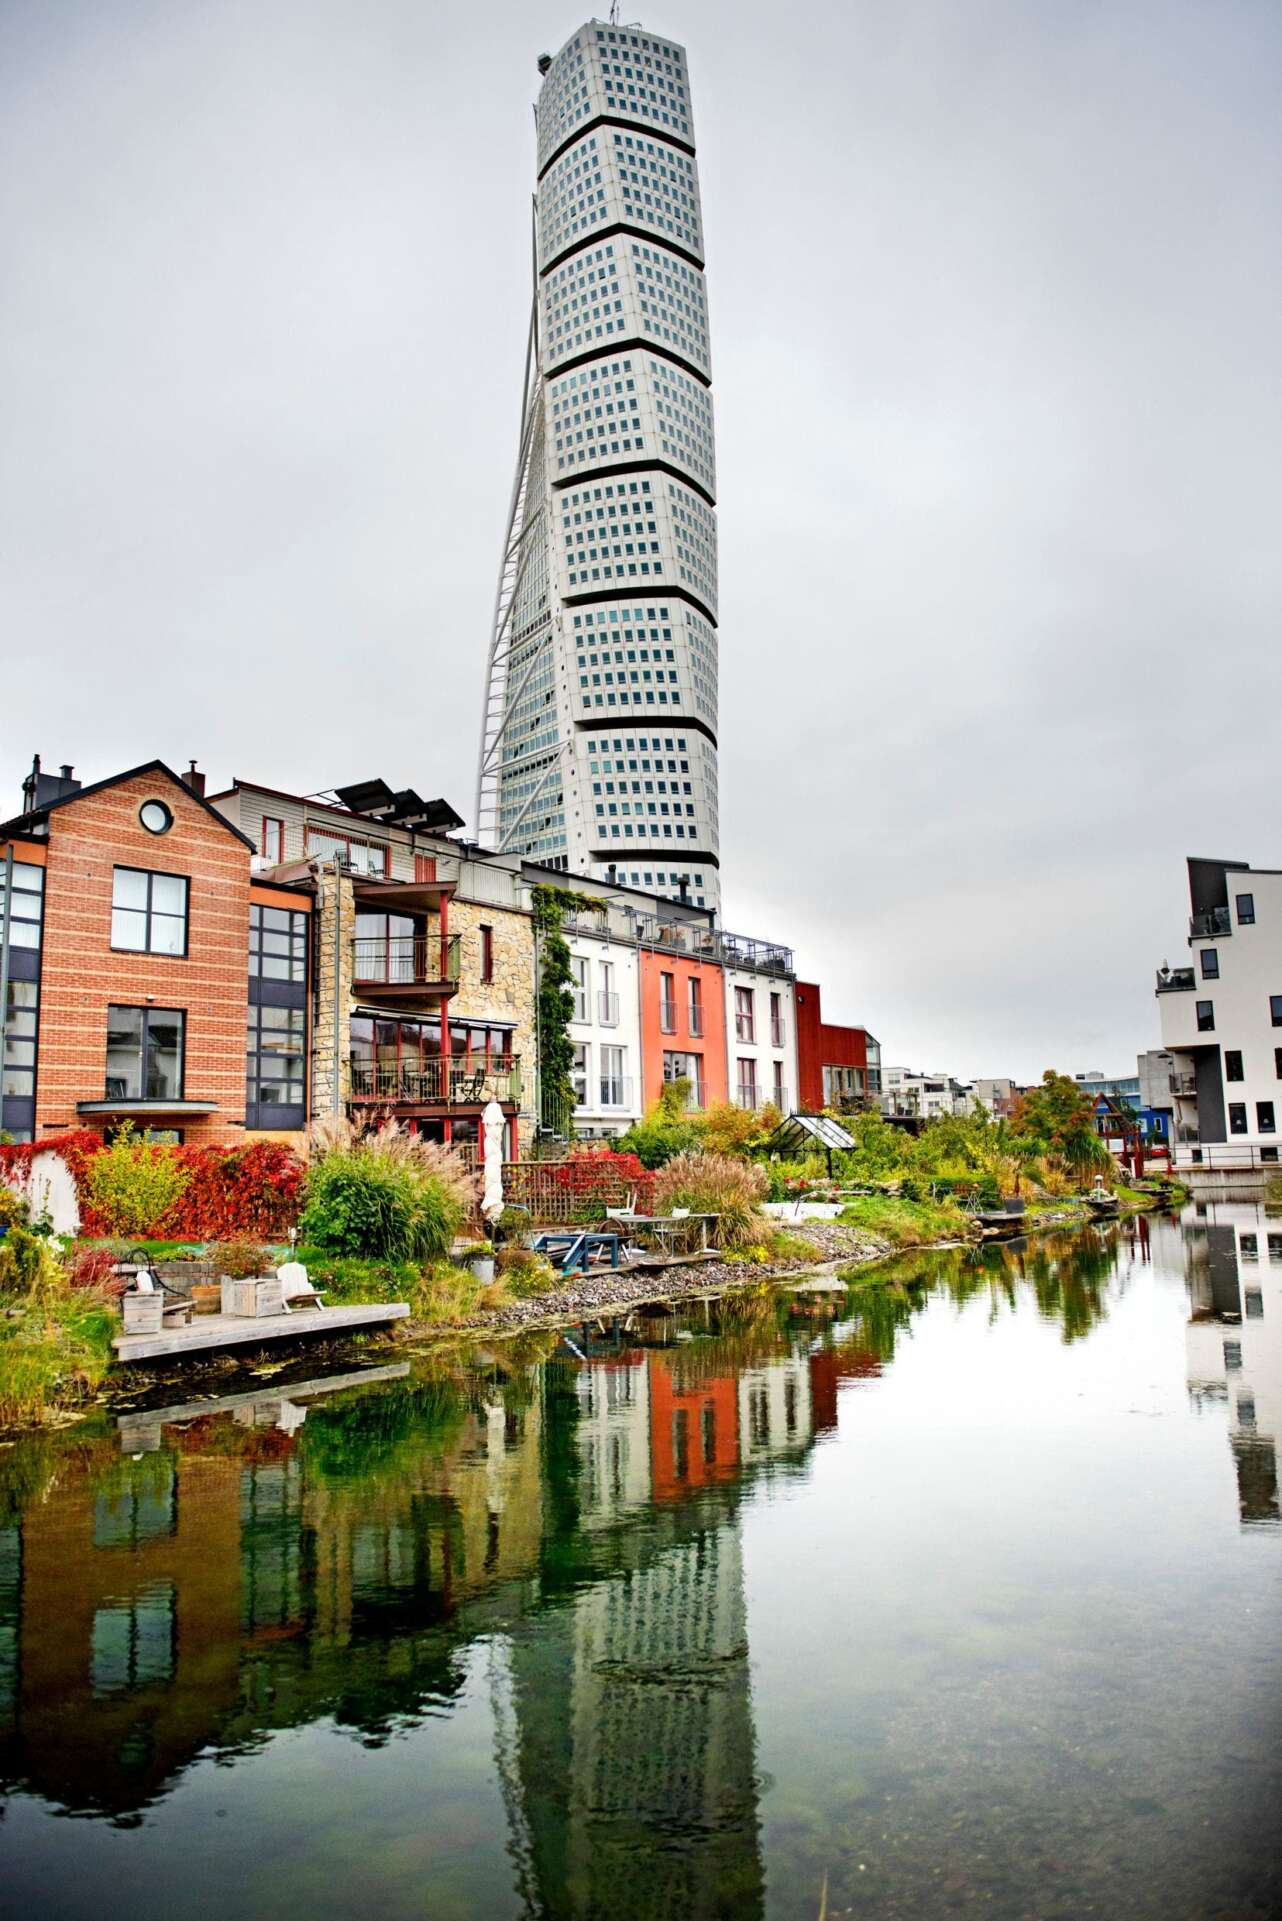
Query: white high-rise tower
point(599, 737)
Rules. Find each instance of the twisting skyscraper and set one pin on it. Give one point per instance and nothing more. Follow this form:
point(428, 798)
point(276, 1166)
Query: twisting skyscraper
point(599, 737)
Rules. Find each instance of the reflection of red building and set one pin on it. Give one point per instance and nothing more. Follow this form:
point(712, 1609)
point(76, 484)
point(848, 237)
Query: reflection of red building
point(828, 1368)
point(836, 1066)
point(694, 1433)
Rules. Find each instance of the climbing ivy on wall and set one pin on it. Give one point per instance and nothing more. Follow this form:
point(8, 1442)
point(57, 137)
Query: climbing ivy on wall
point(554, 1008)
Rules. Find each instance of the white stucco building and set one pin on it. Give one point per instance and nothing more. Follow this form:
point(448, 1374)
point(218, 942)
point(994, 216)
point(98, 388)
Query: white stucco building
point(761, 1023)
point(1222, 1020)
point(606, 1028)
point(599, 735)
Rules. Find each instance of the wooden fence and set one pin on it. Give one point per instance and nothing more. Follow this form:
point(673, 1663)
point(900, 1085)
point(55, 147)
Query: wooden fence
point(573, 1190)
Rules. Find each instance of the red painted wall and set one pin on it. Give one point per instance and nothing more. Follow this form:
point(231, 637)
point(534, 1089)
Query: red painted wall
point(654, 1042)
point(821, 1044)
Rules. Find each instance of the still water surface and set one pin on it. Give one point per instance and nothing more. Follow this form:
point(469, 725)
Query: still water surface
point(965, 1598)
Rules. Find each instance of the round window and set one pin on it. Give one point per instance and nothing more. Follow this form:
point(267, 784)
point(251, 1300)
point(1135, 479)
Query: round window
point(155, 817)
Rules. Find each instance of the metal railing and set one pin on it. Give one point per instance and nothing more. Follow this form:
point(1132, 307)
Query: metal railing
point(1229, 1155)
point(358, 848)
point(1184, 1086)
point(763, 956)
point(747, 1094)
point(1210, 924)
point(405, 960)
point(776, 1034)
point(694, 1020)
point(439, 1080)
point(1176, 980)
point(667, 1017)
point(615, 1090)
point(607, 1010)
point(745, 1028)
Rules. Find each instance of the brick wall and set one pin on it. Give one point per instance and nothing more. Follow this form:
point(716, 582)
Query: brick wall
point(81, 976)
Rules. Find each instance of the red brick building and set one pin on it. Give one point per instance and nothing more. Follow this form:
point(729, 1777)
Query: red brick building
point(146, 976)
point(838, 1067)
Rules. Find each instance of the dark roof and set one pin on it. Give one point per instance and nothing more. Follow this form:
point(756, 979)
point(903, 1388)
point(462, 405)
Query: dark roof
point(115, 780)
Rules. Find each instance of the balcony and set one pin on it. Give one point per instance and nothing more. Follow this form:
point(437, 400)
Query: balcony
point(615, 1090)
point(1176, 980)
point(667, 1017)
point(694, 1018)
point(438, 1081)
point(607, 1010)
point(1184, 1086)
point(745, 1028)
point(1211, 924)
point(776, 1034)
point(405, 967)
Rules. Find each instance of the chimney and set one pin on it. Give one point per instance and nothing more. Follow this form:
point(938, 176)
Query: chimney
point(194, 779)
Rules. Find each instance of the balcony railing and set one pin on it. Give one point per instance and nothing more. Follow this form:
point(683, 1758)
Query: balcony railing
point(667, 1017)
point(615, 1090)
point(1176, 980)
point(438, 1081)
point(1184, 1086)
point(776, 1034)
point(607, 1010)
point(1211, 924)
point(748, 1094)
point(745, 1028)
point(406, 960)
point(694, 1018)
point(1229, 1154)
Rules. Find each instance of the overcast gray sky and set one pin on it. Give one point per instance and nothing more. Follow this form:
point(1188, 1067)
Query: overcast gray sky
point(995, 298)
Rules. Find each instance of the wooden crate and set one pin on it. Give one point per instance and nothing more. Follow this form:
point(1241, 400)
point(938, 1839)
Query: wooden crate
point(142, 1313)
point(253, 1298)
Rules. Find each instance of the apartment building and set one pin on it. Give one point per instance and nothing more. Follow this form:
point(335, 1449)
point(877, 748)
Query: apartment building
point(997, 1094)
point(1221, 1020)
point(837, 1067)
point(146, 974)
point(908, 1095)
point(423, 1005)
point(761, 1022)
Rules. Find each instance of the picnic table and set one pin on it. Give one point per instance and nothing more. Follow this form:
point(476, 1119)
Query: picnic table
point(578, 1248)
point(665, 1226)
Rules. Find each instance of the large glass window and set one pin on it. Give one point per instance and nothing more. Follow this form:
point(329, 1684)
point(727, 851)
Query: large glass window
point(613, 1081)
point(20, 1040)
point(277, 944)
point(1206, 1017)
point(145, 1053)
point(1275, 1009)
point(389, 948)
point(1237, 1117)
point(24, 909)
point(275, 1070)
point(1210, 964)
point(1265, 1120)
point(148, 911)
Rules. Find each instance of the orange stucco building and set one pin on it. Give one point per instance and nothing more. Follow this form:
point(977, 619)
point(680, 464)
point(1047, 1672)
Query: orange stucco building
point(683, 1025)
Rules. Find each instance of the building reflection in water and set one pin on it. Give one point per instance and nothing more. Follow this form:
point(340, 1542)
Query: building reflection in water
point(1233, 1270)
point(185, 1582)
point(188, 1582)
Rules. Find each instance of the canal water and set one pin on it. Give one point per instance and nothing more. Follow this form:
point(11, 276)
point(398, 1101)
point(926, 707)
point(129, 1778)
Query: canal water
point(958, 1597)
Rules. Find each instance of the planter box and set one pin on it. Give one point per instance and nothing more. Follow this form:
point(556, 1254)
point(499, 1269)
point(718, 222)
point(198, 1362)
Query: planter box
point(253, 1298)
point(142, 1313)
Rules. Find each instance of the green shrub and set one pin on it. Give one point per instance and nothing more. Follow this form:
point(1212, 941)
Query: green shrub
point(239, 1259)
point(714, 1184)
point(389, 1196)
point(667, 1130)
point(133, 1184)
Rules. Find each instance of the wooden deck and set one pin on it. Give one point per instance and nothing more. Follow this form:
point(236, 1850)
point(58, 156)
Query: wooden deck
point(209, 1331)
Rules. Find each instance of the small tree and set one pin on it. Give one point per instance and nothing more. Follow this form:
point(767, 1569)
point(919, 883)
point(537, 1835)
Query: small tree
point(1058, 1120)
point(133, 1184)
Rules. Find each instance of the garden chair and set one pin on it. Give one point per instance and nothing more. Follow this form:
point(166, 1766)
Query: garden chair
point(296, 1291)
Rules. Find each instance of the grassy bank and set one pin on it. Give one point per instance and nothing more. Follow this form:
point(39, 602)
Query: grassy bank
point(907, 1223)
point(54, 1351)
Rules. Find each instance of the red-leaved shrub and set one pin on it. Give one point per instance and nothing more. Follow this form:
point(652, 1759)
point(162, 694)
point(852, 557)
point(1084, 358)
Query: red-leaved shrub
point(229, 1190)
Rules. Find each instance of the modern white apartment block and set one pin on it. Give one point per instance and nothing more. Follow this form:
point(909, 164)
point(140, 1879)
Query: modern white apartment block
point(1222, 1020)
point(907, 1095)
point(761, 1024)
point(599, 734)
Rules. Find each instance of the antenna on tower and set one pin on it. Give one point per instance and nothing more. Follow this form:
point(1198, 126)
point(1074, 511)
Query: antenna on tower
point(614, 13)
